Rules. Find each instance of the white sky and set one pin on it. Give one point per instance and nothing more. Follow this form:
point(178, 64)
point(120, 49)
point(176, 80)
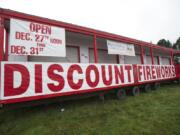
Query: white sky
point(148, 20)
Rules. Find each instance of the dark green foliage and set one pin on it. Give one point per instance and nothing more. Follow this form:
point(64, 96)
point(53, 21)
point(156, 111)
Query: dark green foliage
point(177, 44)
point(165, 43)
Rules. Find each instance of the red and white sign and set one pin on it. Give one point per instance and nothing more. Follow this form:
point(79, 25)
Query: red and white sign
point(30, 79)
point(30, 38)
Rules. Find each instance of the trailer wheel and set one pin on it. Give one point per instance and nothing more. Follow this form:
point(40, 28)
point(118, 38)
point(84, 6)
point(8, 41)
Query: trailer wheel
point(121, 94)
point(135, 91)
point(147, 88)
point(156, 86)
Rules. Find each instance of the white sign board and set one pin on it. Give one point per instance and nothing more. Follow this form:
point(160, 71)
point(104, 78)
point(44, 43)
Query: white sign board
point(30, 38)
point(120, 48)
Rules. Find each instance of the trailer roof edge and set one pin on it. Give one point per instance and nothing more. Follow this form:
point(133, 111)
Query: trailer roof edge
point(80, 29)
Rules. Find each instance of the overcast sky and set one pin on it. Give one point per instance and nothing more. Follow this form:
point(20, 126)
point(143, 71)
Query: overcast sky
point(147, 20)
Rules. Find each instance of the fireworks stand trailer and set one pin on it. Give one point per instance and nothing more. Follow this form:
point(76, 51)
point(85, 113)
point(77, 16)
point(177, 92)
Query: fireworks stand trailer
point(42, 58)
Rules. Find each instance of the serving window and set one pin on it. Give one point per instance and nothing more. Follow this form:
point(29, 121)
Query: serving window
point(103, 56)
point(161, 57)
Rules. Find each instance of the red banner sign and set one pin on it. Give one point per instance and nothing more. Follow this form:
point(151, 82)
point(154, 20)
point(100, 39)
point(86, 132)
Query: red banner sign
point(29, 79)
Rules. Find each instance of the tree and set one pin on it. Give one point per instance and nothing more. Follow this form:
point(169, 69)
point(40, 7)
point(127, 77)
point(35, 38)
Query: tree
point(165, 43)
point(177, 44)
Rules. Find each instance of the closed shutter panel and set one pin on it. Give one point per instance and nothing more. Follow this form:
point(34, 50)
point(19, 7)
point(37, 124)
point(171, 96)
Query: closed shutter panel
point(132, 59)
point(91, 56)
point(72, 54)
point(156, 60)
point(103, 57)
point(165, 61)
point(148, 60)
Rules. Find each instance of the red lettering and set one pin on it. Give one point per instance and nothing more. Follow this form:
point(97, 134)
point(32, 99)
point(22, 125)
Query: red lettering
point(38, 78)
point(9, 70)
point(105, 74)
point(158, 72)
point(18, 49)
point(55, 77)
point(148, 73)
point(153, 72)
point(139, 73)
point(23, 36)
point(166, 71)
point(40, 28)
point(71, 82)
point(170, 71)
point(119, 74)
point(173, 71)
point(89, 81)
point(163, 72)
point(135, 73)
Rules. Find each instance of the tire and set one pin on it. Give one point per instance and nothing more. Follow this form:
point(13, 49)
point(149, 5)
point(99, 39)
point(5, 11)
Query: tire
point(156, 86)
point(121, 94)
point(135, 91)
point(147, 88)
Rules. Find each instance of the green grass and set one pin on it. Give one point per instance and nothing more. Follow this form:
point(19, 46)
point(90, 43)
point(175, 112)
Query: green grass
point(155, 113)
